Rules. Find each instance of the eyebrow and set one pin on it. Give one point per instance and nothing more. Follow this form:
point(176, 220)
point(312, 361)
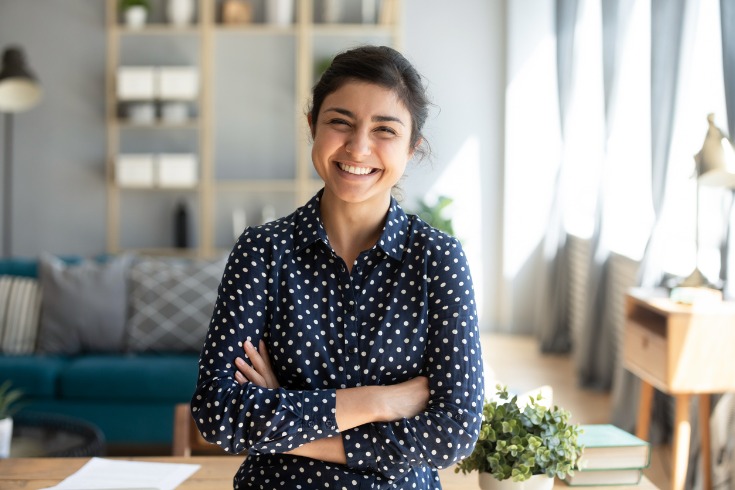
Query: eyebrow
point(347, 113)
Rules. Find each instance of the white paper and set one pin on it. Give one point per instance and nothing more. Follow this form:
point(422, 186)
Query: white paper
point(108, 474)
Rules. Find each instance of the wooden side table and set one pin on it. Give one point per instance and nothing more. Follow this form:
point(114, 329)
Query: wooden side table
point(684, 351)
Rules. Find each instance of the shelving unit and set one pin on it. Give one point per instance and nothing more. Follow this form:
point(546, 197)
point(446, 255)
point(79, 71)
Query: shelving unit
point(250, 134)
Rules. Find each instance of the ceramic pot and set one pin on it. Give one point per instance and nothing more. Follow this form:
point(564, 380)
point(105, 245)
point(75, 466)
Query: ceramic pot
point(536, 482)
point(279, 12)
point(180, 12)
point(6, 434)
point(135, 17)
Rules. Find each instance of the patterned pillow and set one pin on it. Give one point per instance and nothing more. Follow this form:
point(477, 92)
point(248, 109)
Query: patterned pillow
point(20, 309)
point(171, 303)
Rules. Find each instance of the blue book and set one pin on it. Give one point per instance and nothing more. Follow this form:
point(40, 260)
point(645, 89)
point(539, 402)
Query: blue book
point(607, 447)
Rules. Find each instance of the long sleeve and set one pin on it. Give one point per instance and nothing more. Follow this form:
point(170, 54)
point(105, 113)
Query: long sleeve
point(447, 430)
point(249, 417)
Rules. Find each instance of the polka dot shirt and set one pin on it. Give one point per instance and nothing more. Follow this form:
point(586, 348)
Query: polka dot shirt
point(406, 309)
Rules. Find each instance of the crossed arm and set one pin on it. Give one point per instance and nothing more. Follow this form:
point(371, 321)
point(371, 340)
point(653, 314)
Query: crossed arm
point(354, 407)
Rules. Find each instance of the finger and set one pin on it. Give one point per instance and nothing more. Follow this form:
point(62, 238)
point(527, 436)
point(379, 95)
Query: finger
point(251, 374)
point(240, 378)
point(258, 363)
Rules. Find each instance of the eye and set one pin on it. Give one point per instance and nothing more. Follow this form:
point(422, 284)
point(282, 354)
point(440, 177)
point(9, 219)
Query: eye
point(338, 122)
point(387, 130)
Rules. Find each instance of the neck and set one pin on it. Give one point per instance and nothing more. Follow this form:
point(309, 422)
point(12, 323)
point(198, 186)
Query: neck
point(352, 227)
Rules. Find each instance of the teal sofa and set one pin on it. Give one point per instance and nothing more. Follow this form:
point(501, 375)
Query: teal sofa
point(128, 394)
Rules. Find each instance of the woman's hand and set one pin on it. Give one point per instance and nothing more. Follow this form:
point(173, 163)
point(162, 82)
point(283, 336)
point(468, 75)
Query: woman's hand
point(261, 372)
point(405, 400)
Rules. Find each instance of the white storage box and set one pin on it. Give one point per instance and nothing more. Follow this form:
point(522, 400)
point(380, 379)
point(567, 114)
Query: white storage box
point(135, 170)
point(177, 170)
point(178, 83)
point(174, 112)
point(136, 82)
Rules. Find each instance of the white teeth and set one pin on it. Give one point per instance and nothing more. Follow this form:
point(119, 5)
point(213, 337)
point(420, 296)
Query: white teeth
point(355, 170)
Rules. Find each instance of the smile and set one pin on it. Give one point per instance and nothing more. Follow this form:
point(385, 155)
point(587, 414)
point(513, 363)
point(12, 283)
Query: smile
point(351, 169)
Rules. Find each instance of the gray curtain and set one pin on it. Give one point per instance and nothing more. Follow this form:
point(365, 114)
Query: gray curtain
point(552, 314)
point(667, 26)
point(597, 355)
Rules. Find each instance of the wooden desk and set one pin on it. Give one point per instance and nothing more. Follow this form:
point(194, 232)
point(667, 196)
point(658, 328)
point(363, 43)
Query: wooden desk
point(215, 474)
point(684, 351)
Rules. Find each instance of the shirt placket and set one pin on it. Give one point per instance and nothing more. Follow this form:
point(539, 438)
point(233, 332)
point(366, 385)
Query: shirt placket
point(349, 306)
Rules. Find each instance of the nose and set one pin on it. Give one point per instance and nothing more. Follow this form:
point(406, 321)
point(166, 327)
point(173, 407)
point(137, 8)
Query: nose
point(358, 143)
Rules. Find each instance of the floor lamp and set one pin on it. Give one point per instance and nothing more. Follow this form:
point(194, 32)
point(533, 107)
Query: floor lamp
point(715, 167)
point(19, 91)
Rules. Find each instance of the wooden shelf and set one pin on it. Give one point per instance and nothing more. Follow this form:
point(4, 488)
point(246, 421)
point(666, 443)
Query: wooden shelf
point(211, 38)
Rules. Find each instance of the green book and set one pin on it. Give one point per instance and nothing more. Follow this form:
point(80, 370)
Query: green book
point(607, 447)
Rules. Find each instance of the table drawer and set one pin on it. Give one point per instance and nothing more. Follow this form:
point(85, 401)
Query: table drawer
point(645, 352)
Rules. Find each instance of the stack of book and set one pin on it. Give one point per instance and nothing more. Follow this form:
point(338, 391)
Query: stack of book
point(611, 456)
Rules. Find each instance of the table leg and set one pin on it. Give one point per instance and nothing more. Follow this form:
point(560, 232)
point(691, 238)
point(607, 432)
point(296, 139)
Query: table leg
point(682, 437)
point(644, 411)
point(704, 411)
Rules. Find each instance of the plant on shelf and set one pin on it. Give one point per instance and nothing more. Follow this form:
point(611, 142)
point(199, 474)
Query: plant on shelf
point(8, 407)
point(518, 441)
point(135, 12)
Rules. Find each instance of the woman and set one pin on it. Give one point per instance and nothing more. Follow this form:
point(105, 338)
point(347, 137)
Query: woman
point(367, 371)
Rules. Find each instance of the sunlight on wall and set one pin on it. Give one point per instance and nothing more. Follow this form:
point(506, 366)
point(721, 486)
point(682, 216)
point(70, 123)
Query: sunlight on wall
point(532, 154)
point(461, 180)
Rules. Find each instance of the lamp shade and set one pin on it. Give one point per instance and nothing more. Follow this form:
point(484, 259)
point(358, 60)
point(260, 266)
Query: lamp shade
point(716, 160)
point(19, 88)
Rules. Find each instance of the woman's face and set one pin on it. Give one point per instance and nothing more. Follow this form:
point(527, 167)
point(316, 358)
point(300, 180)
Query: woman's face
point(361, 142)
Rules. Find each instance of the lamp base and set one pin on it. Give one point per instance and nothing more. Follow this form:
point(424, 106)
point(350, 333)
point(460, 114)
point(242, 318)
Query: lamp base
point(695, 280)
point(695, 289)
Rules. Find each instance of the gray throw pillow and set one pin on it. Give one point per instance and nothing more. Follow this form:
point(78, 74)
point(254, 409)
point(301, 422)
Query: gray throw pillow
point(171, 303)
point(84, 306)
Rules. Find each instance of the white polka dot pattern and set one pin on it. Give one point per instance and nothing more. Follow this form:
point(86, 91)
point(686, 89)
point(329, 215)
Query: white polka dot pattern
point(406, 309)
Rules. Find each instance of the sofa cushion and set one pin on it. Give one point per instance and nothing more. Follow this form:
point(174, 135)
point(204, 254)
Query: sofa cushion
point(151, 377)
point(20, 308)
point(84, 305)
point(171, 303)
point(35, 376)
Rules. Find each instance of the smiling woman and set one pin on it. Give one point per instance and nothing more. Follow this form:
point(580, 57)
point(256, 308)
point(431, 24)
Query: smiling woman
point(368, 368)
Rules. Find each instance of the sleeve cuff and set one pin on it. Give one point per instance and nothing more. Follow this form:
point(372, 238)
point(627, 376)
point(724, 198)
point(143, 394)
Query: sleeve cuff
point(319, 410)
point(359, 449)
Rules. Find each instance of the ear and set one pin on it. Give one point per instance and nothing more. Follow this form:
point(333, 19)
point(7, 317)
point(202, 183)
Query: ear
point(412, 150)
point(311, 124)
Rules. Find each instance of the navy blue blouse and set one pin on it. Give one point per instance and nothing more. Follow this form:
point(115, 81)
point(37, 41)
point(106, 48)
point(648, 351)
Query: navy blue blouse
point(406, 309)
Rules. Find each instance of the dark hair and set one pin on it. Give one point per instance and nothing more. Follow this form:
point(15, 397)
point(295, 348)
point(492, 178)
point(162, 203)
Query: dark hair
point(382, 66)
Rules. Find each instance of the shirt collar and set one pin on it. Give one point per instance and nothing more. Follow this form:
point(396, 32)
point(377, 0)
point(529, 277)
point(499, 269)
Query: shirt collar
point(392, 240)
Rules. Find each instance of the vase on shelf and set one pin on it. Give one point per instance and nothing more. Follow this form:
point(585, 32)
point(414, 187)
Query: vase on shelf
point(331, 11)
point(369, 11)
point(135, 17)
point(180, 13)
point(279, 12)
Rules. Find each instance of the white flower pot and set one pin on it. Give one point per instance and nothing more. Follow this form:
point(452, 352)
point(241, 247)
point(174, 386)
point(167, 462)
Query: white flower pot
point(6, 434)
point(135, 17)
point(279, 12)
point(180, 12)
point(536, 482)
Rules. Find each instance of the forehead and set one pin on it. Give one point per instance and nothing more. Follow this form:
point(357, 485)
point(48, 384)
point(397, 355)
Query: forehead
point(366, 99)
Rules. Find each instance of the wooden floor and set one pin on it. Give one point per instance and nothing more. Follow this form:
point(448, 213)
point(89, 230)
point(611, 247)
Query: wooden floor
point(517, 362)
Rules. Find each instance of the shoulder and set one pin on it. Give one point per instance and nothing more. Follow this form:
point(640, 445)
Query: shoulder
point(273, 238)
point(432, 242)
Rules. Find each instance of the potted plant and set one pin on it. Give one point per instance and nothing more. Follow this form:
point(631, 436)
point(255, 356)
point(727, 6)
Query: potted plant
point(523, 445)
point(8, 407)
point(434, 214)
point(135, 12)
